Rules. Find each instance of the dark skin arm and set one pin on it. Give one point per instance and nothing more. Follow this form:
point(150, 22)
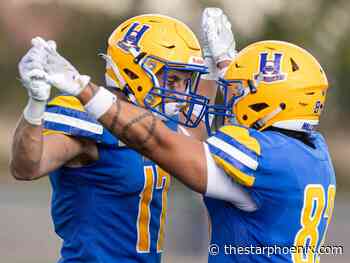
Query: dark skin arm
point(180, 155)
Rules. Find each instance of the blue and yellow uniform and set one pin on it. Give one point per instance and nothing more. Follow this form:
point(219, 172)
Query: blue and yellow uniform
point(112, 210)
point(293, 186)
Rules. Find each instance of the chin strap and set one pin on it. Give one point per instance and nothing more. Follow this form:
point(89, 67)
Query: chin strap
point(261, 122)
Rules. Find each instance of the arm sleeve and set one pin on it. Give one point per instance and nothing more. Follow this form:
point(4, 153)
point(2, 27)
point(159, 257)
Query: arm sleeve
point(236, 152)
point(220, 186)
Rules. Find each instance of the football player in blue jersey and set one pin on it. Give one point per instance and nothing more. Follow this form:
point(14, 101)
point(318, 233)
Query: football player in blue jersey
point(266, 174)
point(108, 202)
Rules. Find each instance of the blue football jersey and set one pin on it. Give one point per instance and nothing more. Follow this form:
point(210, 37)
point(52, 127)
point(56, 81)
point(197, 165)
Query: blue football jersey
point(293, 186)
point(112, 210)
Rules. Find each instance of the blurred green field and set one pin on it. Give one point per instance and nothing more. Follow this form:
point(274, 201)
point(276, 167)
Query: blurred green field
point(27, 235)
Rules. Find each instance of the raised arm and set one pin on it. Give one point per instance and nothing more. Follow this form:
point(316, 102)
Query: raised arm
point(219, 48)
point(34, 155)
point(180, 155)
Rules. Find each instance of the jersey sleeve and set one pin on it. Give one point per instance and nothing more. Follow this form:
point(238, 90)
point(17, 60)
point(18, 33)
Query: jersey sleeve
point(237, 152)
point(66, 115)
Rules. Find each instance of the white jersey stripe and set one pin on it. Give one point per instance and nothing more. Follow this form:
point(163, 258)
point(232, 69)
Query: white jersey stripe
point(233, 152)
point(73, 122)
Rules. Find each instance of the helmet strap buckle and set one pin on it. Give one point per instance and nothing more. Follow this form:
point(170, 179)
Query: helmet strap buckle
point(261, 122)
point(139, 57)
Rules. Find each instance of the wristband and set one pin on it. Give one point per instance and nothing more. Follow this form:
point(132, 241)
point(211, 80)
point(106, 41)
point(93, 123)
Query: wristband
point(212, 75)
point(100, 103)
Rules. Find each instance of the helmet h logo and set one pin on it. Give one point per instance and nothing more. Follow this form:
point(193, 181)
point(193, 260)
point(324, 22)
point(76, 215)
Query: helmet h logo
point(270, 69)
point(132, 37)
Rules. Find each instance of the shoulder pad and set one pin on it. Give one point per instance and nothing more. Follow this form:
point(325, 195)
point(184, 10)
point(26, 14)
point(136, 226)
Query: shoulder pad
point(242, 136)
point(69, 102)
point(66, 115)
point(237, 152)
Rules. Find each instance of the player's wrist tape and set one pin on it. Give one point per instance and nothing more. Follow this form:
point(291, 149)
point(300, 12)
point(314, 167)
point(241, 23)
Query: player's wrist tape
point(100, 103)
point(212, 75)
point(34, 111)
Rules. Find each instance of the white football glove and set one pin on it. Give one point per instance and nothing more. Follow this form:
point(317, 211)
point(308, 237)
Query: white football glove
point(61, 73)
point(219, 42)
point(35, 84)
point(32, 75)
point(207, 54)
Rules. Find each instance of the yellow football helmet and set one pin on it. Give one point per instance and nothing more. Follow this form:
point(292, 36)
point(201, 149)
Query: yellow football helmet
point(145, 45)
point(277, 84)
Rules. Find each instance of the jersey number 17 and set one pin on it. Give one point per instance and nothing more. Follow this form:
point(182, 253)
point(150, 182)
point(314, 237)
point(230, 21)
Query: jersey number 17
point(153, 175)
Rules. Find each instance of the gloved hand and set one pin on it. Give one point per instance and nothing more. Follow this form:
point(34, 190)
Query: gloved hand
point(217, 40)
point(29, 70)
point(220, 38)
point(60, 73)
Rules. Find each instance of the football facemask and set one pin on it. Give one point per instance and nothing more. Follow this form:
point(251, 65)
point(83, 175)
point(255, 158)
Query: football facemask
point(168, 101)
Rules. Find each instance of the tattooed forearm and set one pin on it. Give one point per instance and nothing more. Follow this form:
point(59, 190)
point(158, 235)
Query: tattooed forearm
point(132, 122)
point(138, 120)
point(177, 154)
point(116, 116)
point(133, 125)
point(150, 133)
